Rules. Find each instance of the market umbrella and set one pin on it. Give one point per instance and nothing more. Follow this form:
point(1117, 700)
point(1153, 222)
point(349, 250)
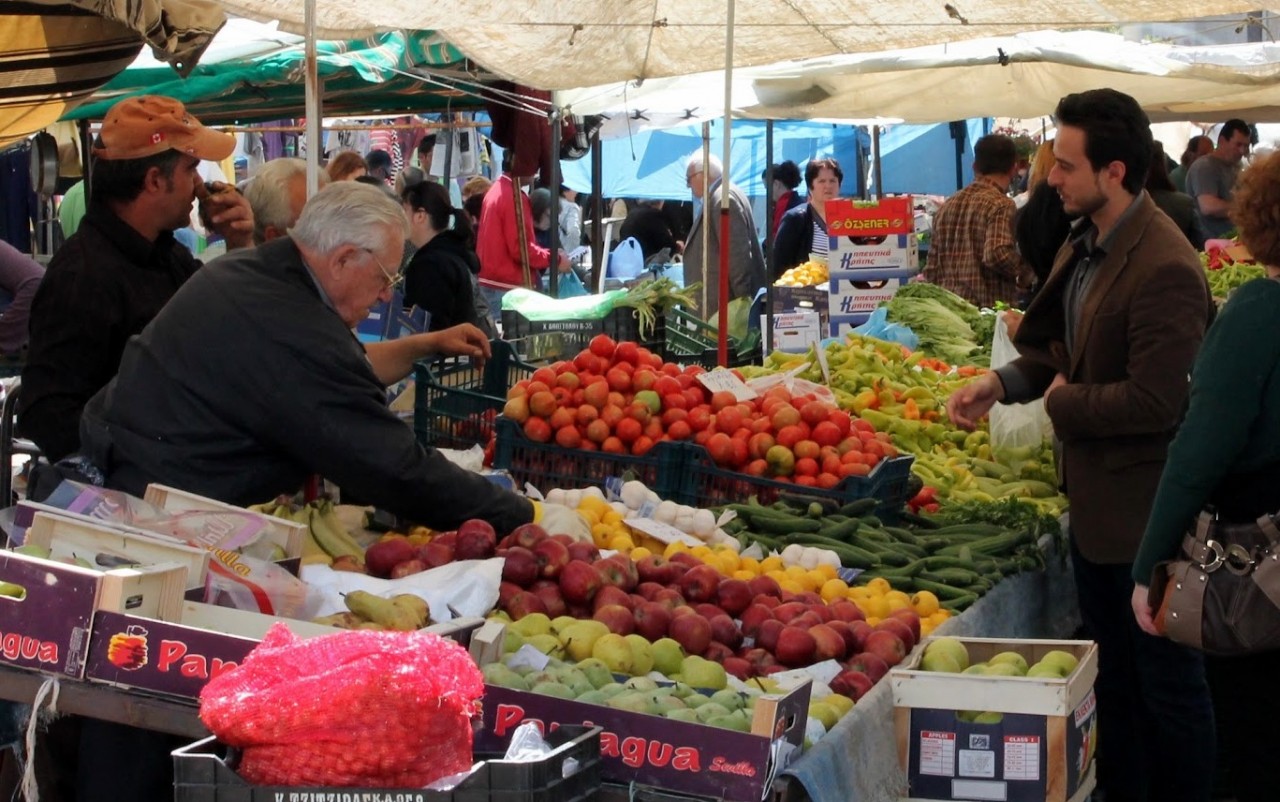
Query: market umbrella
point(54, 55)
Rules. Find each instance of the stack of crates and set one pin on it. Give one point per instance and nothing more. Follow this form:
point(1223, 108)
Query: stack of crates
point(873, 252)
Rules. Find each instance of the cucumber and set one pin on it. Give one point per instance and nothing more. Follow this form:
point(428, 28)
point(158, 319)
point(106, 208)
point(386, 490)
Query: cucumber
point(903, 535)
point(943, 591)
point(842, 530)
point(860, 507)
point(785, 526)
point(918, 521)
point(959, 604)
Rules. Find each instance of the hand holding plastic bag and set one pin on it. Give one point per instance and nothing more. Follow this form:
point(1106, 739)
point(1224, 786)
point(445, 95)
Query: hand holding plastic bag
point(1014, 425)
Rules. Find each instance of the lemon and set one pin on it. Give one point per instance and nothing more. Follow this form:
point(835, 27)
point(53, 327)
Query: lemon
point(639, 553)
point(924, 603)
point(622, 543)
point(833, 589)
point(674, 548)
point(771, 564)
point(745, 576)
point(897, 600)
point(879, 586)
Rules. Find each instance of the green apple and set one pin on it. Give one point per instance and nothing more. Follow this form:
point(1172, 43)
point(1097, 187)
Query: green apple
point(976, 668)
point(1003, 670)
point(667, 656)
point(940, 661)
point(614, 651)
point(641, 654)
point(1066, 661)
point(702, 673)
point(1013, 659)
point(949, 646)
point(988, 718)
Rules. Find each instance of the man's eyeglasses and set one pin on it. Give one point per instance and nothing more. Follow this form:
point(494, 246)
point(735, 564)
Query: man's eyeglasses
point(393, 280)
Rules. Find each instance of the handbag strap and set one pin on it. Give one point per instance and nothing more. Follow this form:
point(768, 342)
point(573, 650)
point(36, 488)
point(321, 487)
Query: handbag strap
point(1210, 553)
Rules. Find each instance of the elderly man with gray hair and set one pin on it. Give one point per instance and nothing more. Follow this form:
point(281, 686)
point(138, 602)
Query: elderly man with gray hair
point(746, 258)
point(276, 193)
point(251, 379)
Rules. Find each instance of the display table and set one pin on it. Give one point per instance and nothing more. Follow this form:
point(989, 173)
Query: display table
point(105, 703)
point(858, 760)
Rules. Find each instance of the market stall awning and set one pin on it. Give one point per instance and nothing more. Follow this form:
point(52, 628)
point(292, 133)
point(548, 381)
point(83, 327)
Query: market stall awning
point(1012, 76)
point(365, 76)
point(53, 55)
point(551, 44)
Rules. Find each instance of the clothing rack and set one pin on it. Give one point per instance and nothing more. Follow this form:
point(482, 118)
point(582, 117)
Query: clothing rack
point(290, 129)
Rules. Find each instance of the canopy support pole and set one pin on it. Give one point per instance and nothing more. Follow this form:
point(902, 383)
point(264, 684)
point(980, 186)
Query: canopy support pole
point(769, 211)
point(724, 191)
point(448, 154)
point(598, 245)
point(553, 181)
point(875, 147)
point(313, 90)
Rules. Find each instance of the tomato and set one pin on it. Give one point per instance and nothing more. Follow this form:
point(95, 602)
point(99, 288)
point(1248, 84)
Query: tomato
point(628, 430)
point(720, 446)
point(806, 449)
point(568, 437)
point(788, 436)
point(627, 352)
point(826, 433)
point(602, 345)
point(537, 430)
point(679, 430)
point(722, 399)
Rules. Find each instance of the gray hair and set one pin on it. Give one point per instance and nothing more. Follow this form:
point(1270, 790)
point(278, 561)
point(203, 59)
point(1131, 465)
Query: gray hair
point(267, 191)
point(349, 213)
point(714, 169)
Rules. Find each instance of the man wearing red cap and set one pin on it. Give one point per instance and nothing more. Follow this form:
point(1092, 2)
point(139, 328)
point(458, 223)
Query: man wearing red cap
point(123, 264)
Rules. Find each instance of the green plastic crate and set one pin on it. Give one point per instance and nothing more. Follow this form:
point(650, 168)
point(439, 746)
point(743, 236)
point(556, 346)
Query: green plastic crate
point(456, 403)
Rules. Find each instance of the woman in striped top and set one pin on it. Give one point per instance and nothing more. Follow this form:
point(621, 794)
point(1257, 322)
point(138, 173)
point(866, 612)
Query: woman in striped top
point(804, 228)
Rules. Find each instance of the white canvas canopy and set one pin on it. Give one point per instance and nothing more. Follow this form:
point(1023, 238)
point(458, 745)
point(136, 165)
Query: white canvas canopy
point(552, 44)
point(1017, 76)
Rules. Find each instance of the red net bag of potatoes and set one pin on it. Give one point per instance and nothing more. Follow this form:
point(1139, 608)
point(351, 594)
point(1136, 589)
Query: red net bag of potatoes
point(360, 708)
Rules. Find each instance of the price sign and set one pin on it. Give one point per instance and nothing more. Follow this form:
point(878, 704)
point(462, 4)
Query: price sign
point(846, 218)
point(722, 379)
point(664, 532)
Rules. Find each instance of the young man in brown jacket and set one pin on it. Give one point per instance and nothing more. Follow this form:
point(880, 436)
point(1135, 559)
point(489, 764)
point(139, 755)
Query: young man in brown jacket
point(1109, 344)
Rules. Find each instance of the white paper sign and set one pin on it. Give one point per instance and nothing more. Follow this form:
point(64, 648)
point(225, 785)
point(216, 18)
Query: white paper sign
point(468, 586)
point(526, 655)
point(659, 531)
point(721, 379)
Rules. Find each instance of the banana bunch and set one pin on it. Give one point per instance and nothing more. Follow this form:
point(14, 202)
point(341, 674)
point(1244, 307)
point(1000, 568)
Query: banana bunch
point(403, 612)
point(327, 537)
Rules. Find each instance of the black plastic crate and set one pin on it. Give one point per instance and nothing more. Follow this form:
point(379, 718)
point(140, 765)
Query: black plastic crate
point(205, 772)
point(704, 484)
point(455, 403)
point(692, 341)
point(547, 465)
point(622, 324)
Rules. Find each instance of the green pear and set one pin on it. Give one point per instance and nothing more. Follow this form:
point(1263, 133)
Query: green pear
point(512, 641)
point(614, 651)
point(580, 639)
point(560, 623)
point(730, 698)
point(711, 710)
point(941, 661)
point(949, 646)
point(1066, 661)
point(735, 723)
point(823, 713)
point(665, 703)
point(533, 624)
point(498, 674)
point(641, 654)
point(613, 689)
point(988, 718)
point(684, 714)
point(1013, 659)
point(546, 643)
point(33, 550)
point(632, 702)
point(596, 672)
point(967, 715)
point(641, 684)
point(524, 670)
point(683, 690)
point(667, 656)
point(696, 700)
point(593, 698)
point(556, 689)
point(701, 673)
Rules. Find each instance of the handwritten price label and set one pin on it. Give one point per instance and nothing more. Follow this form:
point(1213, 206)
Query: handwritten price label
point(721, 379)
point(664, 532)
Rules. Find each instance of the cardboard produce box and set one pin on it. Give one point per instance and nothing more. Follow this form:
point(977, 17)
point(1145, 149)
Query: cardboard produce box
point(48, 608)
point(1039, 744)
point(856, 294)
point(178, 657)
point(793, 332)
point(872, 235)
point(693, 759)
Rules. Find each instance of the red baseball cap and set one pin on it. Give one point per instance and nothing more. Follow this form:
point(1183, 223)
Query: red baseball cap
point(143, 126)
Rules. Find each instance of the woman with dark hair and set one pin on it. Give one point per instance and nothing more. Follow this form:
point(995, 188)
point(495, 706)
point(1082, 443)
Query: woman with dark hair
point(804, 228)
point(1041, 225)
point(1180, 207)
point(786, 177)
point(441, 277)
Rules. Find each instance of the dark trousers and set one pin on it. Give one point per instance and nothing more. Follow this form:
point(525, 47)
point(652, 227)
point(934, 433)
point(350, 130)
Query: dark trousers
point(118, 763)
point(1155, 717)
point(1247, 710)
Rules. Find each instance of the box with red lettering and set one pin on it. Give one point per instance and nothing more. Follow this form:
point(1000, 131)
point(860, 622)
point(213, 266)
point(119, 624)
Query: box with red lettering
point(1022, 726)
point(871, 235)
point(47, 607)
point(650, 750)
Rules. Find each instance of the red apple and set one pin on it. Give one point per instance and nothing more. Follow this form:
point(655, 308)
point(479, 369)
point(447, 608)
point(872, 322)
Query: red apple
point(414, 566)
point(822, 611)
point(656, 568)
point(476, 540)
point(767, 637)
point(436, 554)
point(552, 556)
point(861, 630)
point(786, 611)
point(582, 550)
point(795, 648)
point(772, 602)
point(829, 644)
point(853, 684)
point(671, 599)
point(707, 610)
point(617, 618)
point(846, 610)
point(579, 582)
point(506, 591)
point(739, 668)
point(525, 603)
point(764, 586)
point(734, 596)
point(653, 620)
point(806, 619)
point(900, 628)
point(699, 584)
point(384, 555)
point(649, 590)
point(887, 646)
point(872, 665)
point(725, 631)
point(686, 559)
point(808, 597)
point(717, 652)
point(759, 659)
point(753, 617)
point(909, 617)
point(609, 594)
point(680, 610)
point(842, 629)
point(567, 540)
point(528, 535)
point(449, 539)
point(520, 566)
point(552, 599)
point(692, 632)
point(612, 574)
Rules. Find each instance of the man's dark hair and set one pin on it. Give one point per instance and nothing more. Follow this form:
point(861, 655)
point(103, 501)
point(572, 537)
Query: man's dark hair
point(787, 172)
point(1193, 149)
point(427, 143)
point(379, 162)
point(1116, 129)
point(1233, 126)
point(816, 166)
point(994, 154)
point(121, 180)
point(1158, 172)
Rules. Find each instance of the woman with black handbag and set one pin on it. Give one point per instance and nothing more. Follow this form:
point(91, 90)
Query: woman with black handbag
point(1226, 459)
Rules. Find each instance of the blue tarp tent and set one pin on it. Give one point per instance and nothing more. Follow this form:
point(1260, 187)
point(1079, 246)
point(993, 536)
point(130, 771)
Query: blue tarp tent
point(651, 164)
point(921, 159)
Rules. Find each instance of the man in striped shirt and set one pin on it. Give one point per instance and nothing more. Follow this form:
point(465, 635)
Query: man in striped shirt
point(972, 252)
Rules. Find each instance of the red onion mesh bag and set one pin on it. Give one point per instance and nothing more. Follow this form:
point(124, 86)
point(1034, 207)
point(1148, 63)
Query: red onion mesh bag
point(356, 708)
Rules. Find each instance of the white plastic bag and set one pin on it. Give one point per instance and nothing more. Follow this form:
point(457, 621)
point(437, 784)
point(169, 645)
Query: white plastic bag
point(627, 260)
point(1014, 425)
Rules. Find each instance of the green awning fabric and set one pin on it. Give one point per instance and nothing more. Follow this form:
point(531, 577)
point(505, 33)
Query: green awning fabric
point(363, 76)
